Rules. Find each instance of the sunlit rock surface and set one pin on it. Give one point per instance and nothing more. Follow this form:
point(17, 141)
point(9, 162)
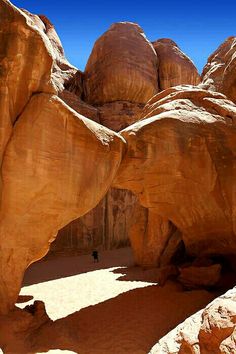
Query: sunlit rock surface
point(22, 73)
point(219, 74)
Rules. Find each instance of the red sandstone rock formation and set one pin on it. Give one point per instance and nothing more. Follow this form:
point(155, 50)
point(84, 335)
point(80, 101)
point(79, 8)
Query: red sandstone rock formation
point(219, 74)
point(48, 179)
point(116, 115)
point(180, 162)
point(175, 68)
point(212, 330)
point(160, 164)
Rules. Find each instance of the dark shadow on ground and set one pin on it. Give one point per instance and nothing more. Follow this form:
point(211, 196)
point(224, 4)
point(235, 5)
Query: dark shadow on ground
point(57, 268)
point(24, 298)
point(136, 273)
point(130, 323)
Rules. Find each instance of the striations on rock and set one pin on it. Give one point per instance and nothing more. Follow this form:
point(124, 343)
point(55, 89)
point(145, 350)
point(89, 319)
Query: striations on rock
point(105, 226)
point(121, 67)
point(175, 68)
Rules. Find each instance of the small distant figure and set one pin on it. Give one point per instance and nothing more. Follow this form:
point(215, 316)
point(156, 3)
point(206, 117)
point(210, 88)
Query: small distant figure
point(95, 256)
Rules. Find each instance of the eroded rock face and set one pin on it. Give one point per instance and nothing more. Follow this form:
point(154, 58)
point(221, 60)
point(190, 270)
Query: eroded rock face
point(175, 68)
point(209, 331)
point(219, 74)
point(121, 67)
point(180, 162)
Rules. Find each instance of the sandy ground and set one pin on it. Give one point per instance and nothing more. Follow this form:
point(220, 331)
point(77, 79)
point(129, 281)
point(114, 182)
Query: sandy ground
point(95, 311)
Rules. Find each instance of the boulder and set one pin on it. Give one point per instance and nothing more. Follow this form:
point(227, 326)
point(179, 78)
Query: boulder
point(121, 67)
point(219, 74)
point(180, 162)
point(199, 277)
point(175, 67)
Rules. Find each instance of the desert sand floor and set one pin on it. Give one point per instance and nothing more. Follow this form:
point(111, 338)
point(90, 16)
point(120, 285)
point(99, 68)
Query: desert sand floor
point(96, 309)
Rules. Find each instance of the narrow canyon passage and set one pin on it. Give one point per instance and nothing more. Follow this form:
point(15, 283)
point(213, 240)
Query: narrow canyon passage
point(96, 311)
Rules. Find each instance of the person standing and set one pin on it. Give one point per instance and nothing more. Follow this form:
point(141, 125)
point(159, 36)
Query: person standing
point(95, 256)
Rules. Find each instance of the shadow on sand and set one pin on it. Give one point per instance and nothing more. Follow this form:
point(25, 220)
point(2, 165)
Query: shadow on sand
point(63, 267)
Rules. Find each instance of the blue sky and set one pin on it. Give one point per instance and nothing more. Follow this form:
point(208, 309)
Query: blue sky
point(198, 27)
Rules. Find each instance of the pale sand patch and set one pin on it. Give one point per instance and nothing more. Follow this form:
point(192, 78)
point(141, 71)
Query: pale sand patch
point(63, 297)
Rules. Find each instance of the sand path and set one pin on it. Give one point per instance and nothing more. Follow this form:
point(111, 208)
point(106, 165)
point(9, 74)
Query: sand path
point(96, 313)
